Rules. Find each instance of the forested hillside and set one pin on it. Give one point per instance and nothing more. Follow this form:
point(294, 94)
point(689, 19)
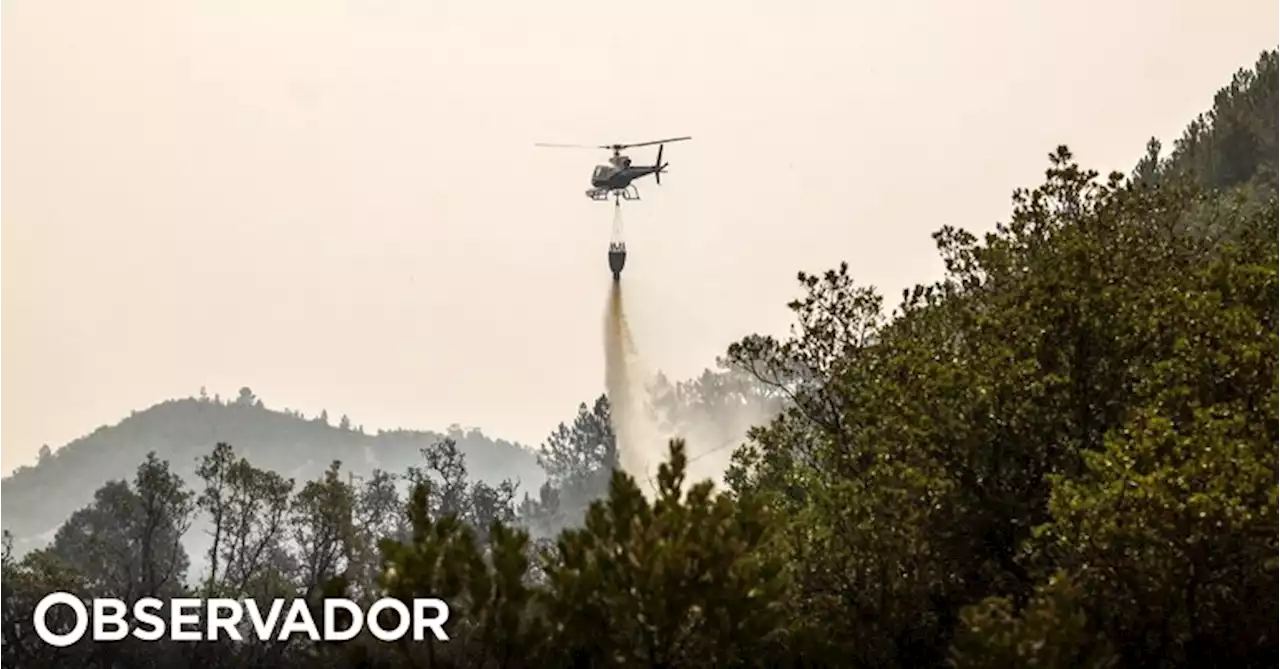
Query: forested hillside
point(40, 498)
point(1233, 145)
point(1062, 454)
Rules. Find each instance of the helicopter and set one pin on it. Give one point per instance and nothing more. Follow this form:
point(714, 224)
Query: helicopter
point(617, 176)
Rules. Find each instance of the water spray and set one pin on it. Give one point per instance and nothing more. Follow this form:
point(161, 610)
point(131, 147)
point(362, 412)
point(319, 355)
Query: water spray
point(624, 375)
point(622, 387)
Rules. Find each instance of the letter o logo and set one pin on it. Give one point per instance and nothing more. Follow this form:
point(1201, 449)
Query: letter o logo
point(375, 626)
point(42, 627)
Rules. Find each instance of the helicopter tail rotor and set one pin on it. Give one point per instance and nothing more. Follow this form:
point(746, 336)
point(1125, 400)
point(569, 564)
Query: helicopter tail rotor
point(657, 174)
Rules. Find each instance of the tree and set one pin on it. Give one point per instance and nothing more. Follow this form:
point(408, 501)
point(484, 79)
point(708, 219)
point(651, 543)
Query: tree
point(579, 460)
point(682, 582)
point(1148, 169)
point(323, 530)
point(452, 493)
point(165, 506)
point(581, 451)
point(248, 508)
point(379, 514)
point(214, 470)
point(128, 544)
point(246, 397)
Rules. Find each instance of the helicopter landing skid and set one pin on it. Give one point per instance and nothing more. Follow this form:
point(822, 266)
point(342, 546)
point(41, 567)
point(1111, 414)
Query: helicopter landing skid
point(630, 193)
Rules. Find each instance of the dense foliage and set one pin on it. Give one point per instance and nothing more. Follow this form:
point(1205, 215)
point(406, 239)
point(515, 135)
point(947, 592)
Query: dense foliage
point(1062, 454)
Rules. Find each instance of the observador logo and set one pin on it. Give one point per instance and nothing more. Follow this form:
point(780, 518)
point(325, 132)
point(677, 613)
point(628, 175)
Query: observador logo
point(218, 619)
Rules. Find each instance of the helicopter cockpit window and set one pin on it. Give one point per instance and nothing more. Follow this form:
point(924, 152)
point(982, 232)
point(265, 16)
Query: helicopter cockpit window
point(601, 172)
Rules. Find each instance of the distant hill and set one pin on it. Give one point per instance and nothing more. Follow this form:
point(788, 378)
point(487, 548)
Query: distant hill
point(41, 497)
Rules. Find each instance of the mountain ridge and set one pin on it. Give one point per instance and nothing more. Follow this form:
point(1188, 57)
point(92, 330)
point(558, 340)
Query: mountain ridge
point(41, 497)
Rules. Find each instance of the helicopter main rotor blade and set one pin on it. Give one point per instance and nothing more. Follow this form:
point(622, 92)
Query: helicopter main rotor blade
point(571, 146)
point(651, 143)
point(612, 147)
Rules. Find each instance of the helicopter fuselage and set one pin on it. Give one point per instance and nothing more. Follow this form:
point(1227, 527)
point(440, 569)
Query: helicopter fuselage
point(614, 178)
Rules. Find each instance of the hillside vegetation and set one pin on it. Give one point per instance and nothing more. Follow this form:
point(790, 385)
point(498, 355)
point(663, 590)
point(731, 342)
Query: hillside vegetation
point(41, 497)
point(1063, 454)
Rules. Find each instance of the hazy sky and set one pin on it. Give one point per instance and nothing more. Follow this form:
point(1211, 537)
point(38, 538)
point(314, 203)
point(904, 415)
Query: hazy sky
point(339, 204)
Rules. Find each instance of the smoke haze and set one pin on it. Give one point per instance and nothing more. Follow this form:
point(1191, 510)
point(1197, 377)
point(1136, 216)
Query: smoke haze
point(643, 427)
